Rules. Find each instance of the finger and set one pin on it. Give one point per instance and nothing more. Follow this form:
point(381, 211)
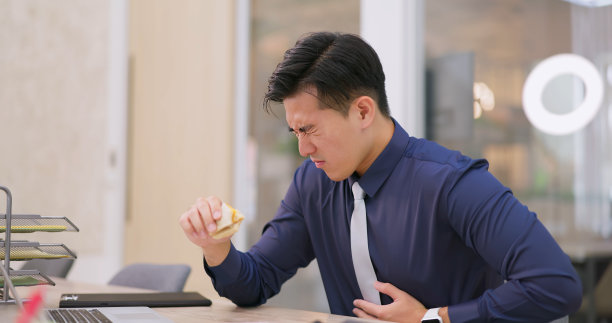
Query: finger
point(205, 212)
point(370, 308)
point(361, 314)
point(215, 206)
point(185, 223)
point(196, 221)
point(389, 289)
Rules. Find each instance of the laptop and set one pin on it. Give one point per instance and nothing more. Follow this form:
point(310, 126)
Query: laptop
point(105, 315)
point(164, 299)
point(120, 307)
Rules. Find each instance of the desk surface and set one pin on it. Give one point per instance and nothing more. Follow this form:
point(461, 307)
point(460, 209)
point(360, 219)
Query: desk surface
point(222, 310)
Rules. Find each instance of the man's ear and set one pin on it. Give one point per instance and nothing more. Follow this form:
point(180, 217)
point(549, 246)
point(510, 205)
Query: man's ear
point(366, 109)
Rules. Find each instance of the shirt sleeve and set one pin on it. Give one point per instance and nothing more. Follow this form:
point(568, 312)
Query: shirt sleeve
point(542, 284)
point(250, 278)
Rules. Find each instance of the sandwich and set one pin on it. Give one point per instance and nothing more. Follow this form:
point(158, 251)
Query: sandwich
point(229, 222)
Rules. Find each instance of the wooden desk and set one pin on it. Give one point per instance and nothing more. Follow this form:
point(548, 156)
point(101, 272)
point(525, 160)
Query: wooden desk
point(222, 310)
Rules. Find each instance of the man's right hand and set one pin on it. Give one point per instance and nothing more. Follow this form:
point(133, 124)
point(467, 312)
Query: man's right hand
point(199, 224)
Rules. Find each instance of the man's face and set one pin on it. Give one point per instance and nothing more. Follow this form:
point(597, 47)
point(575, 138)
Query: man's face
point(330, 139)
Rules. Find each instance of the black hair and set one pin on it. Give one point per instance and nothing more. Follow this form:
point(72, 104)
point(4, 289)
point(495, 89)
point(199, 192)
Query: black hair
point(340, 66)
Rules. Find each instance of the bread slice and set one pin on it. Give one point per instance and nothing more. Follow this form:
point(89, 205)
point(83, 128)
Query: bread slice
point(229, 222)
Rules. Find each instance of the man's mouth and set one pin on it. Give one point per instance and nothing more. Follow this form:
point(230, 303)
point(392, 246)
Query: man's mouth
point(318, 163)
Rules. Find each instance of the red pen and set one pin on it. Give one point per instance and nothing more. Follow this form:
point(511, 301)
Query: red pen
point(32, 307)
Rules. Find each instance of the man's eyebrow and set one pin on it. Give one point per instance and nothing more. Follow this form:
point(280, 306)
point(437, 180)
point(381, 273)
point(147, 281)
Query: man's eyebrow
point(301, 129)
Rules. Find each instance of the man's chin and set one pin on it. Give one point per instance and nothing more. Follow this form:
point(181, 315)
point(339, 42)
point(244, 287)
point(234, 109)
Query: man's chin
point(336, 177)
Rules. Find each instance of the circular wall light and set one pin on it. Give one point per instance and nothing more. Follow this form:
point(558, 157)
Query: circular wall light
point(548, 69)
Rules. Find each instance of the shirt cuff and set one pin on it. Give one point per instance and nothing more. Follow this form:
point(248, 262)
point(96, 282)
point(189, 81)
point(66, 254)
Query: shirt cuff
point(465, 312)
point(228, 270)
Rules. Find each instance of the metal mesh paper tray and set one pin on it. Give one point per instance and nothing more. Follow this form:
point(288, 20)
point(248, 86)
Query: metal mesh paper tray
point(24, 250)
point(25, 223)
point(27, 278)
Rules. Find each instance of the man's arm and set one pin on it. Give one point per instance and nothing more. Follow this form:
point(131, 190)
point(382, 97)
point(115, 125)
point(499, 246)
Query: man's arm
point(541, 283)
point(250, 278)
point(198, 224)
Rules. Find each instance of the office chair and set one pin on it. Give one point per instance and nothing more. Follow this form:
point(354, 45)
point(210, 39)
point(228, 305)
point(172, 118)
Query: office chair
point(50, 267)
point(163, 278)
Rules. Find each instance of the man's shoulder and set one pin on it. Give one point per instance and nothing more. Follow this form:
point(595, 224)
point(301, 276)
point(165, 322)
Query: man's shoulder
point(426, 152)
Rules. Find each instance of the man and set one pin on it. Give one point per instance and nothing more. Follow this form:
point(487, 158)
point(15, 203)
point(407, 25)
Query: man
point(442, 233)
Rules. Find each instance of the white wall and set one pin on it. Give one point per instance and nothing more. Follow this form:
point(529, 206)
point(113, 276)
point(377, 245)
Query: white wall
point(54, 115)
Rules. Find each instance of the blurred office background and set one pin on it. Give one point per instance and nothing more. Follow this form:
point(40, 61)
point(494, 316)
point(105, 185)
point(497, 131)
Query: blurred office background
point(119, 113)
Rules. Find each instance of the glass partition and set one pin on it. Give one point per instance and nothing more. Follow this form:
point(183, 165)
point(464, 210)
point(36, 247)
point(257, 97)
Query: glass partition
point(479, 54)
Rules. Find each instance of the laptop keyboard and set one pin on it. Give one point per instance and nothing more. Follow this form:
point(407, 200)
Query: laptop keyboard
point(65, 315)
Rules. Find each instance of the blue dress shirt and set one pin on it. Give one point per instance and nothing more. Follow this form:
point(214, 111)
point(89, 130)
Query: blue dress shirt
point(440, 227)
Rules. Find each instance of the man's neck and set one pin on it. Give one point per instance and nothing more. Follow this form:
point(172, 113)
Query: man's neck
point(382, 130)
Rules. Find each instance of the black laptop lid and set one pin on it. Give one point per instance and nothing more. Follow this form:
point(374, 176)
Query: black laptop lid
point(133, 299)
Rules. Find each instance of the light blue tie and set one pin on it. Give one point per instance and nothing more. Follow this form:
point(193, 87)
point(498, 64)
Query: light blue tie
point(359, 248)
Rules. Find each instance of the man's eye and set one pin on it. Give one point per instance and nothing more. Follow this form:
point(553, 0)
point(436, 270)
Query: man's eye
point(303, 132)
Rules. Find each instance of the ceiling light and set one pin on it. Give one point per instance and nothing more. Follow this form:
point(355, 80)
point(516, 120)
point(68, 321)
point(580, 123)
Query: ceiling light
point(548, 69)
point(484, 96)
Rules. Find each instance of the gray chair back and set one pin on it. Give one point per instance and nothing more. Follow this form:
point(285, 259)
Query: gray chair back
point(50, 267)
point(163, 278)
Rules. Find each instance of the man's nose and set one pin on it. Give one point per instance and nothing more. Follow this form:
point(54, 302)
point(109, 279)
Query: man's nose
point(305, 146)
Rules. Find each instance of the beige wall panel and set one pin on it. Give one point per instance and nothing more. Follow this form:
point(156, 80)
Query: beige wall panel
point(53, 87)
point(180, 124)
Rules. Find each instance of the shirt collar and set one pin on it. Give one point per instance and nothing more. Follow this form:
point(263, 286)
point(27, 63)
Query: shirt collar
point(384, 164)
